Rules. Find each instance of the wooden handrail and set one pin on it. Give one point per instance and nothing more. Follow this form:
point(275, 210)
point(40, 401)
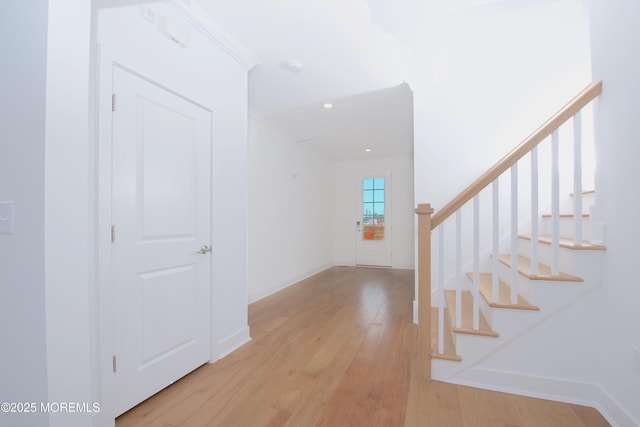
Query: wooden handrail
point(565, 113)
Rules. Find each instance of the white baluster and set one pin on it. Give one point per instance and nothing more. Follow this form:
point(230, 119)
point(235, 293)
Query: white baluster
point(495, 279)
point(476, 261)
point(441, 302)
point(535, 232)
point(459, 276)
point(555, 203)
point(514, 234)
point(577, 178)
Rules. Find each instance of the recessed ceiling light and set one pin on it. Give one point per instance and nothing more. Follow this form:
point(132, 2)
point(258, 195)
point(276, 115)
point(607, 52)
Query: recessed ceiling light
point(368, 150)
point(328, 105)
point(294, 65)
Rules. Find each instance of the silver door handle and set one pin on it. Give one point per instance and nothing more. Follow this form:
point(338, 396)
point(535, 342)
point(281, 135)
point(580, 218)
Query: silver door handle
point(204, 250)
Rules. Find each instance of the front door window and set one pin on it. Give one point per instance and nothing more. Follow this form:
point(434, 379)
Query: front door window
point(373, 209)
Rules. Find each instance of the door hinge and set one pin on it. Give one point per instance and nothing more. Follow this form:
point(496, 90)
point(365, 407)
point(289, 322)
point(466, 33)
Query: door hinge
point(113, 233)
point(114, 364)
point(113, 102)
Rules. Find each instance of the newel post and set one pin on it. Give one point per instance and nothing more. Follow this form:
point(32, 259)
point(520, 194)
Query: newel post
point(424, 212)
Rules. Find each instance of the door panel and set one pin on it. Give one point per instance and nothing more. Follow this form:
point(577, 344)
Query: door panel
point(161, 196)
point(168, 179)
point(373, 224)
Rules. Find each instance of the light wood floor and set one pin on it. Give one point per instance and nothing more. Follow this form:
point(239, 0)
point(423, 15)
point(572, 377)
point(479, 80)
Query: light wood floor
point(338, 349)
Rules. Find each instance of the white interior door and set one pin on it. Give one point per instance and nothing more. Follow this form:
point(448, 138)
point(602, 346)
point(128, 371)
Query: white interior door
point(161, 267)
point(373, 219)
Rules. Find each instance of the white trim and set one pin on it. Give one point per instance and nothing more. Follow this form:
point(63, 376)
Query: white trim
point(403, 267)
point(233, 342)
point(263, 293)
point(549, 388)
point(208, 26)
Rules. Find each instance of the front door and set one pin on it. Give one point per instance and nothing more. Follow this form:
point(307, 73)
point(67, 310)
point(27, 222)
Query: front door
point(373, 223)
point(161, 267)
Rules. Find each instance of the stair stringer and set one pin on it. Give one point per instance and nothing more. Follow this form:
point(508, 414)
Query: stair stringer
point(510, 324)
point(551, 296)
point(552, 381)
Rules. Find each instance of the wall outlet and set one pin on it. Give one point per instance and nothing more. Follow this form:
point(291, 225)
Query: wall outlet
point(636, 360)
point(6, 217)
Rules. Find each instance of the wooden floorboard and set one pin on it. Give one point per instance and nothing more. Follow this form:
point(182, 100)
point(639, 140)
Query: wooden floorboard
point(338, 349)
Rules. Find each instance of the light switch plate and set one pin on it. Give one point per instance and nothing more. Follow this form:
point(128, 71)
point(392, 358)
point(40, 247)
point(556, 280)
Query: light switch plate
point(6, 217)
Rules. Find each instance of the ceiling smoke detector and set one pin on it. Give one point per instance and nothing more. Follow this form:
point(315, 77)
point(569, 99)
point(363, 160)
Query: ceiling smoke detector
point(294, 66)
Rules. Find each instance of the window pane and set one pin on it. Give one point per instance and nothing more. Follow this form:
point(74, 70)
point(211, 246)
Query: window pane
point(373, 209)
point(367, 212)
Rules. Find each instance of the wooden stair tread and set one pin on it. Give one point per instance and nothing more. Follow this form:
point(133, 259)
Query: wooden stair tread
point(449, 346)
point(567, 243)
point(565, 215)
point(504, 294)
point(544, 271)
point(584, 192)
point(466, 326)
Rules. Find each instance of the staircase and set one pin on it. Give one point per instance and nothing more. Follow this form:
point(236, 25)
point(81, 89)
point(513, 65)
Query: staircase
point(487, 281)
point(500, 319)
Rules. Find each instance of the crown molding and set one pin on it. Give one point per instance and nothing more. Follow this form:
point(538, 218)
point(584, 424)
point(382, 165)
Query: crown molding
point(208, 26)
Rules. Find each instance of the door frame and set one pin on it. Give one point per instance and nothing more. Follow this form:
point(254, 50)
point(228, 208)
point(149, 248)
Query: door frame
point(106, 61)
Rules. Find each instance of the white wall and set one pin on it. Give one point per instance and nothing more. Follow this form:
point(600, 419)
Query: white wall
point(346, 174)
point(68, 257)
point(290, 210)
point(615, 39)
point(23, 365)
point(486, 77)
point(204, 73)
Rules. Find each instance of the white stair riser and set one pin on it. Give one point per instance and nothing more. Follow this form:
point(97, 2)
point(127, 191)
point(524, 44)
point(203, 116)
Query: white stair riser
point(524, 285)
point(581, 263)
point(588, 200)
point(567, 227)
point(549, 296)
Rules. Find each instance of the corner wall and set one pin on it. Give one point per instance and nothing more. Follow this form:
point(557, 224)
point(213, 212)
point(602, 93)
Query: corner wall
point(69, 259)
point(23, 363)
point(290, 210)
point(615, 42)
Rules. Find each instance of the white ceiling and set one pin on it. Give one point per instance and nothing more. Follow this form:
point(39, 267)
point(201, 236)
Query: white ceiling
point(344, 59)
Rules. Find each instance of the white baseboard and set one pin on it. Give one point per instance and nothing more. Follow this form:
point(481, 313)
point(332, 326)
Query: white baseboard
point(557, 389)
point(403, 267)
point(233, 342)
point(263, 293)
